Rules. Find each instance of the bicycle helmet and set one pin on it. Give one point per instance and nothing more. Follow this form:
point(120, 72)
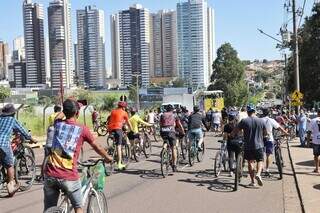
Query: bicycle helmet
point(196, 109)
point(232, 116)
point(122, 104)
point(169, 108)
point(251, 108)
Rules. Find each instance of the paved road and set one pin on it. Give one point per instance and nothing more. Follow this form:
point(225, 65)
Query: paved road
point(193, 189)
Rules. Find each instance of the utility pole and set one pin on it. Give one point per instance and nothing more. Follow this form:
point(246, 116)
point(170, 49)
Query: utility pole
point(296, 46)
point(137, 91)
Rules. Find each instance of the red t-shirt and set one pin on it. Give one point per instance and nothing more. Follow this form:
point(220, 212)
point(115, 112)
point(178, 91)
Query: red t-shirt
point(66, 145)
point(117, 119)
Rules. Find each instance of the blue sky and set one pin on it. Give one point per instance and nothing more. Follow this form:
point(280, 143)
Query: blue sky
point(236, 21)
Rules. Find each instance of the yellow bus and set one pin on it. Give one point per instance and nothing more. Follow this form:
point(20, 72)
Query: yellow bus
point(211, 99)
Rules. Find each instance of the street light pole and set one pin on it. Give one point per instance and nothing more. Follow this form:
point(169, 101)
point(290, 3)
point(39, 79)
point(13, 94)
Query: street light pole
point(296, 46)
point(137, 91)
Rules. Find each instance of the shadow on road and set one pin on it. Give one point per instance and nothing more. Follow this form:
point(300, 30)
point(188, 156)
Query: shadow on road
point(317, 186)
point(147, 174)
point(309, 163)
point(216, 185)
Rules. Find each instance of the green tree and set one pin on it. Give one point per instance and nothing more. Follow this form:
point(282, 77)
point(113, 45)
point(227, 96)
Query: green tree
point(309, 45)
point(82, 94)
point(228, 76)
point(107, 102)
point(4, 93)
point(178, 83)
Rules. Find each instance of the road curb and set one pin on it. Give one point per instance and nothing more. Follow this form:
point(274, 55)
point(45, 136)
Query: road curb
point(296, 179)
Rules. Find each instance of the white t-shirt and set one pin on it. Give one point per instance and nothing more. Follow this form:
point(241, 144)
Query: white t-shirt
point(315, 130)
point(151, 117)
point(270, 125)
point(243, 115)
point(216, 118)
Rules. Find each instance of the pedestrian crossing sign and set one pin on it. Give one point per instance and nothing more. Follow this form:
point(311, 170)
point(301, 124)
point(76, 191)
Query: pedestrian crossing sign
point(296, 96)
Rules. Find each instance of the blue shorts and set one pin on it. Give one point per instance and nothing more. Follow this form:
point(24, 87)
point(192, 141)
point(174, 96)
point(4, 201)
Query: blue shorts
point(268, 147)
point(6, 157)
point(52, 188)
point(195, 134)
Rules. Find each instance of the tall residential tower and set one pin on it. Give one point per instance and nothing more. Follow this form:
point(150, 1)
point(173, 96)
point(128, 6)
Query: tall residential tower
point(60, 43)
point(34, 43)
point(195, 42)
point(91, 67)
point(130, 33)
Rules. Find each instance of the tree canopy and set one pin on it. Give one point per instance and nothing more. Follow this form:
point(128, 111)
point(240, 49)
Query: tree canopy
point(4, 93)
point(228, 76)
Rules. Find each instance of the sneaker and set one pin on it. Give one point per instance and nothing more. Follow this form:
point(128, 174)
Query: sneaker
point(199, 149)
point(231, 174)
point(12, 188)
point(259, 180)
point(267, 173)
point(121, 166)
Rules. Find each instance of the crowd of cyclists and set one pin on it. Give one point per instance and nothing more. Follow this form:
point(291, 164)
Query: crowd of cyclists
point(248, 129)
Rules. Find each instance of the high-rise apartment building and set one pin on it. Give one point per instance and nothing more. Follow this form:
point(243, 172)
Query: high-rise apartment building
point(18, 75)
point(33, 17)
point(130, 33)
point(163, 44)
point(4, 52)
point(60, 43)
point(91, 47)
point(195, 42)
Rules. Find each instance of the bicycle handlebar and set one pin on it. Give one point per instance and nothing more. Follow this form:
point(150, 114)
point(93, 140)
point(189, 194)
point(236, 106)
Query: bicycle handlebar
point(90, 163)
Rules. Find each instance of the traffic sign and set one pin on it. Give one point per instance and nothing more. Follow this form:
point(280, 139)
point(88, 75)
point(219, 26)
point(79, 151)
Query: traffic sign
point(296, 103)
point(297, 96)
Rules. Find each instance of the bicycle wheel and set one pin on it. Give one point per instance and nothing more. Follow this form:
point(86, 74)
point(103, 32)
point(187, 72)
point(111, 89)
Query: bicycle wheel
point(110, 141)
point(55, 209)
point(110, 167)
point(183, 148)
point(200, 154)
point(278, 161)
point(217, 164)
point(238, 171)
point(192, 152)
point(97, 203)
point(147, 148)
point(126, 155)
point(165, 162)
point(102, 131)
point(25, 172)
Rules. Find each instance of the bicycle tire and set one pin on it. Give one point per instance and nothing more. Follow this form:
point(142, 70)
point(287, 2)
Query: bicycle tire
point(55, 209)
point(238, 172)
point(110, 141)
point(147, 147)
point(200, 154)
point(183, 148)
point(136, 151)
point(165, 162)
point(278, 162)
point(95, 199)
point(29, 151)
point(126, 155)
point(192, 154)
point(19, 166)
point(102, 131)
point(217, 166)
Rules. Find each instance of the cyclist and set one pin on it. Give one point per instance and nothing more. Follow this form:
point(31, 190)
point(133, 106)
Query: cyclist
point(233, 145)
point(61, 170)
point(116, 121)
point(135, 121)
point(8, 125)
point(209, 118)
point(269, 140)
point(195, 122)
point(302, 124)
point(315, 128)
point(95, 119)
point(254, 129)
point(168, 123)
point(216, 120)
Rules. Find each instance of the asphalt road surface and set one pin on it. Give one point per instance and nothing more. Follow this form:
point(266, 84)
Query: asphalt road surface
point(141, 189)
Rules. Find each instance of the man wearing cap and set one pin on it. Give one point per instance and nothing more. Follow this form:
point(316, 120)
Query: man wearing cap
point(61, 169)
point(254, 130)
point(195, 122)
point(8, 125)
point(117, 119)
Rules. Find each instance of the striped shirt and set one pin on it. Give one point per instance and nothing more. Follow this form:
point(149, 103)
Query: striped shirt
point(9, 124)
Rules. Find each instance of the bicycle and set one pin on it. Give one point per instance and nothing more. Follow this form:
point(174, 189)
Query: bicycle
point(112, 151)
point(24, 166)
point(96, 199)
point(194, 152)
point(239, 167)
point(278, 157)
point(166, 158)
point(102, 129)
point(221, 158)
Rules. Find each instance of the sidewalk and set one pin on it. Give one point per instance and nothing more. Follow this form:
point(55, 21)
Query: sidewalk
point(308, 182)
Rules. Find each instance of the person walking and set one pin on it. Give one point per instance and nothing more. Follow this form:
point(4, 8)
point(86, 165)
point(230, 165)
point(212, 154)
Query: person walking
point(315, 129)
point(302, 126)
point(254, 130)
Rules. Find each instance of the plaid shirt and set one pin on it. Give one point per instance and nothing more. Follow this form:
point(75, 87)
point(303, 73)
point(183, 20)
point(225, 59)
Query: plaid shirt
point(7, 126)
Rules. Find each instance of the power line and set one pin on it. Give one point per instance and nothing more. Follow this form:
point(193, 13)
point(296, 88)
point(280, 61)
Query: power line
point(302, 12)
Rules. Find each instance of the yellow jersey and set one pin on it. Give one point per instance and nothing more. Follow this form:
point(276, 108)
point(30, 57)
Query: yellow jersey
point(135, 121)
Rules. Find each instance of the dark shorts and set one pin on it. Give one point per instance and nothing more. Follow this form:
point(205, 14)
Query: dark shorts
point(233, 146)
point(268, 147)
point(256, 154)
point(215, 126)
point(169, 137)
point(133, 136)
point(316, 149)
point(118, 136)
